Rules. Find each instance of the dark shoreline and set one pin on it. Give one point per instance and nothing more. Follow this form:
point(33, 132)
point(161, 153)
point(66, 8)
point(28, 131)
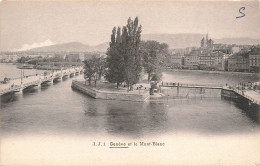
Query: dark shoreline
point(209, 72)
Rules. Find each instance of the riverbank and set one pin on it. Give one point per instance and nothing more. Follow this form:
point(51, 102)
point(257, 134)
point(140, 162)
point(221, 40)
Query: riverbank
point(209, 72)
point(107, 92)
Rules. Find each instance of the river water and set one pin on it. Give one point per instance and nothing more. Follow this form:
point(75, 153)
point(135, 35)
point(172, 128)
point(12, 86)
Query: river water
point(55, 110)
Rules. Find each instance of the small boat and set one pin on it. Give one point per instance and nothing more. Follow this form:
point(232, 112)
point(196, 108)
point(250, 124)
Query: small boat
point(25, 66)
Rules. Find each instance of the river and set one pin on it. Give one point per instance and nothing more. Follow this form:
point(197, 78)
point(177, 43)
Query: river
point(55, 113)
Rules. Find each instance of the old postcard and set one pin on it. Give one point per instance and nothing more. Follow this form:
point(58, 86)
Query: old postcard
point(129, 83)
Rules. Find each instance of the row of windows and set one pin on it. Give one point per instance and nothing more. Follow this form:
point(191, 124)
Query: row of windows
point(254, 64)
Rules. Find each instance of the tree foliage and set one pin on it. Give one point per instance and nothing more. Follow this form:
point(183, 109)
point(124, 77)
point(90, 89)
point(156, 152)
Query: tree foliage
point(153, 54)
point(100, 67)
point(253, 50)
point(23, 59)
point(90, 69)
point(124, 60)
point(115, 64)
point(94, 68)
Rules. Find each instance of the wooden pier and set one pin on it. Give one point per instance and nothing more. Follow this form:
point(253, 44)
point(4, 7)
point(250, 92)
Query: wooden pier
point(251, 95)
point(247, 99)
point(167, 84)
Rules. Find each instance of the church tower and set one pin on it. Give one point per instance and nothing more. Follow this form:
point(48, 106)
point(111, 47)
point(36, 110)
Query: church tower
point(207, 40)
point(202, 43)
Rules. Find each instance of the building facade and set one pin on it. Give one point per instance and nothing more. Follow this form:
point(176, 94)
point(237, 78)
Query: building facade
point(238, 63)
point(254, 62)
point(176, 61)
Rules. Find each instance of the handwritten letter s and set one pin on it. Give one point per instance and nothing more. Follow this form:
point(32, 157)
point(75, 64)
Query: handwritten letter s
point(243, 14)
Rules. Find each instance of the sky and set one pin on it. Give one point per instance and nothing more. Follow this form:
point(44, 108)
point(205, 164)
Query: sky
point(30, 24)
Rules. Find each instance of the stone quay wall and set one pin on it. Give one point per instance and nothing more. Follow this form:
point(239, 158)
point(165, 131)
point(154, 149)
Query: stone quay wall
point(109, 95)
point(251, 108)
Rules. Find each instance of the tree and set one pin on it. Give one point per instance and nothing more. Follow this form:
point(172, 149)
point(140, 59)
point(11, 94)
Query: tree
point(94, 67)
point(157, 75)
point(115, 66)
point(90, 68)
point(21, 60)
point(131, 37)
point(101, 65)
point(153, 55)
point(123, 57)
point(78, 60)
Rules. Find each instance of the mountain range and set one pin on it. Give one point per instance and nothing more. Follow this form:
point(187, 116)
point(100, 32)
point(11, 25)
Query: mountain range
point(173, 40)
point(70, 47)
point(193, 40)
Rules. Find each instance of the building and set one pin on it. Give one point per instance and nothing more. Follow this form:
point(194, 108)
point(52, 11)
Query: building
point(175, 61)
point(206, 61)
point(254, 62)
point(205, 42)
point(238, 63)
point(220, 60)
point(212, 60)
point(191, 61)
point(225, 61)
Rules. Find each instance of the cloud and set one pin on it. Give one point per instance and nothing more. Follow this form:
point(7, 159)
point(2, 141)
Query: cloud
point(35, 45)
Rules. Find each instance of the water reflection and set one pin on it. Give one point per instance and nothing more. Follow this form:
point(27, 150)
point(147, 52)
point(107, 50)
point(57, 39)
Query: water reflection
point(157, 118)
point(115, 118)
point(29, 90)
point(123, 122)
point(8, 98)
point(141, 119)
point(128, 119)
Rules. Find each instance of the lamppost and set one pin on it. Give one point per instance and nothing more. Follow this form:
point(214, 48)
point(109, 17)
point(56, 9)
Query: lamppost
point(36, 68)
point(52, 68)
point(21, 76)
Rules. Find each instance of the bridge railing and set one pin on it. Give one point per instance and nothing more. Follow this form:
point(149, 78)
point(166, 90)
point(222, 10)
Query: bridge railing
point(30, 83)
point(27, 76)
point(15, 87)
point(27, 82)
point(57, 74)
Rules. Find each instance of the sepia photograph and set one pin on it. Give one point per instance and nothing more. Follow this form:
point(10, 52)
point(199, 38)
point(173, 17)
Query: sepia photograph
point(118, 82)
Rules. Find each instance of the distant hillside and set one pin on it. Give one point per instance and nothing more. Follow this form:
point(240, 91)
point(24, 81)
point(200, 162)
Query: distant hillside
point(238, 41)
point(176, 40)
point(101, 47)
point(173, 40)
point(193, 40)
point(72, 46)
